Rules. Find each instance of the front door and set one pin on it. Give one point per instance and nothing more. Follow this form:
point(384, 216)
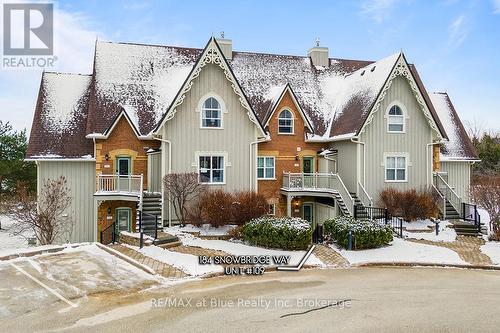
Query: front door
point(123, 171)
point(123, 219)
point(307, 212)
point(308, 169)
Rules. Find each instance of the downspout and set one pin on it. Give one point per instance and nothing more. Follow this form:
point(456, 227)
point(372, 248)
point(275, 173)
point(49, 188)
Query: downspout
point(252, 163)
point(427, 162)
point(364, 158)
point(162, 188)
point(94, 201)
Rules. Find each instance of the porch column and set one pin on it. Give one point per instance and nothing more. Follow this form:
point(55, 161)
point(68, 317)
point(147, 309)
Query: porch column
point(289, 205)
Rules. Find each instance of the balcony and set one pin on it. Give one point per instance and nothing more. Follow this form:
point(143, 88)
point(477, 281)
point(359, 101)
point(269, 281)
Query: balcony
point(120, 185)
point(320, 184)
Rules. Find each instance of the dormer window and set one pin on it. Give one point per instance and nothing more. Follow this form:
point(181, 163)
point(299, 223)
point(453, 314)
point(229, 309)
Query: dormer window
point(395, 120)
point(285, 122)
point(211, 114)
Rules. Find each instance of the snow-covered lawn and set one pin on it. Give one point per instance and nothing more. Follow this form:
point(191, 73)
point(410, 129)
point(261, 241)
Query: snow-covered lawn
point(446, 232)
point(241, 249)
point(7, 240)
point(492, 250)
point(401, 251)
point(419, 225)
point(186, 262)
point(204, 230)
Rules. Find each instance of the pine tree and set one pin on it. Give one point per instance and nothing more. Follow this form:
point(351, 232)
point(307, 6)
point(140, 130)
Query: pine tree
point(13, 168)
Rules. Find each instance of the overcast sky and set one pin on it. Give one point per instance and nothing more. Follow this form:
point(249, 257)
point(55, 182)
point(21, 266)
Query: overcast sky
point(455, 44)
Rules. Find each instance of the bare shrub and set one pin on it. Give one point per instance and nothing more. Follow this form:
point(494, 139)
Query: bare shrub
point(217, 208)
point(182, 188)
point(485, 192)
point(51, 221)
point(248, 205)
point(410, 205)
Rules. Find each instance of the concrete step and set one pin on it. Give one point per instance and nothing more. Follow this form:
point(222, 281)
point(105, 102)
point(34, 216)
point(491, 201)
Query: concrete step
point(169, 245)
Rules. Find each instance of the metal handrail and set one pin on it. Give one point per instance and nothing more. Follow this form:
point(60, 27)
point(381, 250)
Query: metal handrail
point(366, 196)
point(443, 199)
point(319, 181)
point(346, 195)
point(449, 194)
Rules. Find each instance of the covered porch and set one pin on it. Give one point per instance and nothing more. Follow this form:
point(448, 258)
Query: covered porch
point(321, 186)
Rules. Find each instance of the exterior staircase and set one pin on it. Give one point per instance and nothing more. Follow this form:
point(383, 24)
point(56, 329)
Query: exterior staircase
point(341, 203)
point(151, 207)
point(465, 229)
point(357, 202)
point(451, 212)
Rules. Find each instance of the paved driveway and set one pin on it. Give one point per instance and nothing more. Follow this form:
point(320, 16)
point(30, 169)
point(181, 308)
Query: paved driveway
point(381, 300)
point(64, 280)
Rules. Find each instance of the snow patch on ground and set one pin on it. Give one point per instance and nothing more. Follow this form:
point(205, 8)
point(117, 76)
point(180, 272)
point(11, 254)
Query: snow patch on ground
point(404, 252)
point(204, 230)
point(240, 249)
point(418, 225)
point(492, 250)
point(446, 233)
point(8, 242)
point(185, 262)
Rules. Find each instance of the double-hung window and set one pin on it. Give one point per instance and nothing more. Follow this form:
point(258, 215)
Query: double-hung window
point(396, 169)
point(395, 120)
point(285, 122)
point(265, 167)
point(211, 114)
point(211, 169)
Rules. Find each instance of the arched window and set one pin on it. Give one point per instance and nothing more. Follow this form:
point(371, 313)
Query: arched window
point(285, 122)
point(211, 113)
point(395, 120)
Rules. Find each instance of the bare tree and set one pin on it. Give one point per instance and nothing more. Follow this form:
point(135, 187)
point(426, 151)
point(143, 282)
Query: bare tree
point(475, 129)
point(182, 188)
point(50, 221)
point(486, 193)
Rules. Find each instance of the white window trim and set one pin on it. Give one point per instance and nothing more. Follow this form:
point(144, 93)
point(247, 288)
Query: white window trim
point(407, 164)
point(226, 164)
point(404, 116)
point(293, 121)
point(274, 168)
point(222, 108)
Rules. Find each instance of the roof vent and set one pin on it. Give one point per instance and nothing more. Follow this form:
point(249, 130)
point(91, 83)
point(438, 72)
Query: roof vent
point(319, 55)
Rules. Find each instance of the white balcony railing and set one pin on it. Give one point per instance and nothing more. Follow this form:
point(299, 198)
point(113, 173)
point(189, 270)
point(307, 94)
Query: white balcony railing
point(324, 182)
point(120, 184)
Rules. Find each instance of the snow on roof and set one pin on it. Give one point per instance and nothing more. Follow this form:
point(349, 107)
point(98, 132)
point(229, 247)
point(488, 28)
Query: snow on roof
point(143, 78)
point(361, 87)
point(459, 145)
point(63, 95)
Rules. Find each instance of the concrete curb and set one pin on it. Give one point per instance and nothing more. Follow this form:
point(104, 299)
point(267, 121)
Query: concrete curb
point(426, 264)
point(126, 258)
point(40, 251)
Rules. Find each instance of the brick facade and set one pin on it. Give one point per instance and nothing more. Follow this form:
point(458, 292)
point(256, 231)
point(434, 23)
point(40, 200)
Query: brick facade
point(288, 151)
point(122, 141)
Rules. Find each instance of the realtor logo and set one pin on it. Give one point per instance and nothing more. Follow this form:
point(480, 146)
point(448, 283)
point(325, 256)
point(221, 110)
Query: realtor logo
point(28, 29)
point(28, 36)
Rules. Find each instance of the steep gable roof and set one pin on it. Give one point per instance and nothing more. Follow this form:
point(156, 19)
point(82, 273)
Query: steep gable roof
point(212, 54)
point(58, 128)
point(459, 146)
point(280, 93)
point(143, 78)
point(147, 80)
